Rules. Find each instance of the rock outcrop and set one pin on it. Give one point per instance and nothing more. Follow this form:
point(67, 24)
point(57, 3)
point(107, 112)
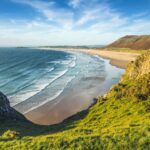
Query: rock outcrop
point(6, 111)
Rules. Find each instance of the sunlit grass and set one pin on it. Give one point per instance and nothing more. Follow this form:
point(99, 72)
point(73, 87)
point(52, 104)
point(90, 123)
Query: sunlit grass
point(126, 50)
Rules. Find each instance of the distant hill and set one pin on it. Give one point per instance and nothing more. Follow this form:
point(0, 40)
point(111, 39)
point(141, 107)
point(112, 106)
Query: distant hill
point(132, 42)
point(75, 47)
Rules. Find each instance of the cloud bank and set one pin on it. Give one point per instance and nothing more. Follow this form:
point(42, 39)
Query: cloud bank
point(75, 22)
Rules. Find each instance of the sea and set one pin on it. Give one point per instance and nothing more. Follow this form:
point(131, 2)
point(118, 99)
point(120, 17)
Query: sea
point(32, 77)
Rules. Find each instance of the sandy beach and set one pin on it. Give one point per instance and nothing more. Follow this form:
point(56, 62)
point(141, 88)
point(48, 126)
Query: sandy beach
point(119, 59)
point(56, 111)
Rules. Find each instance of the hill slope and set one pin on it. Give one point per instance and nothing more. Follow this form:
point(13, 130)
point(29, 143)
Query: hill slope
point(132, 42)
point(120, 120)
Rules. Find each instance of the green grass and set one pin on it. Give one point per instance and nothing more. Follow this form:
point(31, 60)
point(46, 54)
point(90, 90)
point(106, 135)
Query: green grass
point(118, 121)
point(128, 50)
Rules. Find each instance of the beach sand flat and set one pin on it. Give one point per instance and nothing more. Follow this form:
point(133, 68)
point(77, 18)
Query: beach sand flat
point(55, 111)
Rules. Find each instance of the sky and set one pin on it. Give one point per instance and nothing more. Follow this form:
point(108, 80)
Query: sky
point(71, 22)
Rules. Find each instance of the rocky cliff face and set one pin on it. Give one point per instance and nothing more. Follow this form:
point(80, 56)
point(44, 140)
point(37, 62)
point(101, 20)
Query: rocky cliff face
point(7, 112)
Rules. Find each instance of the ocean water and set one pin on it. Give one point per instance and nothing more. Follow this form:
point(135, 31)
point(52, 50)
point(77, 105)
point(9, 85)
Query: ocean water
point(32, 77)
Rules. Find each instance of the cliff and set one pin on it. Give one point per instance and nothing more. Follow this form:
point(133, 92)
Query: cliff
point(7, 112)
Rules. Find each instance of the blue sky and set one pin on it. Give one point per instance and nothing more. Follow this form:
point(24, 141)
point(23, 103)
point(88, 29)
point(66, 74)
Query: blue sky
point(71, 22)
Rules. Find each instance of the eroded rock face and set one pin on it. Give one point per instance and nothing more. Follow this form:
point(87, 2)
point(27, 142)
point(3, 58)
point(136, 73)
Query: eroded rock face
point(7, 112)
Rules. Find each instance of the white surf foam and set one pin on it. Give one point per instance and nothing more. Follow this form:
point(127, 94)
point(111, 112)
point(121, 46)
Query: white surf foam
point(52, 98)
point(49, 69)
point(32, 91)
point(72, 64)
point(66, 62)
point(45, 101)
point(54, 62)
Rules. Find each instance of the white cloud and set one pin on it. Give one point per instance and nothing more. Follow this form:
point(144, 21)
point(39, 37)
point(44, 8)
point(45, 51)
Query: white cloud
point(75, 3)
point(87, 16)
point(93, 23)
point(42, 7)
point(48, 9)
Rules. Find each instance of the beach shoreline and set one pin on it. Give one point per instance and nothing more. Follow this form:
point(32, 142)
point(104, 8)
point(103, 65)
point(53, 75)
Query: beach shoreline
point(64, 107)
point(118, 59)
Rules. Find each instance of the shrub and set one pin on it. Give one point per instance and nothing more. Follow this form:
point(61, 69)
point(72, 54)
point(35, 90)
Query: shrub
point(10, 134)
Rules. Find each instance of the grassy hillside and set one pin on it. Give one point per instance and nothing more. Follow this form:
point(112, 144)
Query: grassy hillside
point(120, 120)
point(132, 42)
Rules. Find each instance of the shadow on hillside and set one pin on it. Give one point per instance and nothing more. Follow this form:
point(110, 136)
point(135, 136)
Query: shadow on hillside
point(27, 128)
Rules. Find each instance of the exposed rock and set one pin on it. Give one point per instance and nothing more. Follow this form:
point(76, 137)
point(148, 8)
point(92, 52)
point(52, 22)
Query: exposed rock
point(7, 112)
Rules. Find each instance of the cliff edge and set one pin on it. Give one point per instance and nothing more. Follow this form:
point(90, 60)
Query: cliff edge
point(6, 111)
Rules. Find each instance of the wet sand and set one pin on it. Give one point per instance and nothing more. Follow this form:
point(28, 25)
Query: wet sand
point(59, 109)
point(80, 99)
point(69, 103)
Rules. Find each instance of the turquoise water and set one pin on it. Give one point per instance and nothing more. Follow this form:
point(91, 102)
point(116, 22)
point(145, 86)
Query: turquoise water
point(33, 77)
